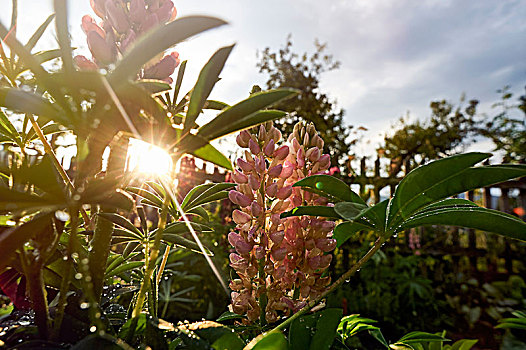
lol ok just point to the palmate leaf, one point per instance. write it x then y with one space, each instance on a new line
222 124
208 77
205 193
149 196
421 179
122 222
7 130
330 187
349 210
468 179
157 41
472 217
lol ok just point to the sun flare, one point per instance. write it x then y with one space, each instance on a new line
149 159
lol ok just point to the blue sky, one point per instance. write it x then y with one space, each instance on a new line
396 56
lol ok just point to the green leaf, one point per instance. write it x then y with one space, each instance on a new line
449 203
154 86
268 341
326 328
346 230
421 179
478 218
217 105
209 194
180 227
228 315
20 101
464 344
179 81
349 210
330 187
14 238
185 243
141 192
157 41
7 129
313 210
419 337
38 33
208 77
300 334
468 179
124 268
221 124
210 154
122 222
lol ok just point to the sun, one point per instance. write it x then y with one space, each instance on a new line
148 159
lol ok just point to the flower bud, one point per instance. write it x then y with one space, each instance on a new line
300 157
98 7
275 219
244 137
254 182
262 134
128 41
269 148
271 190
260 165
151 21
284 192
256 209
239 178
240 217
83 63
88 25
313 154
242 246
314 262
326 244
102 51
164 68
277 237
281 153
164 13
287 170
239 198
138 11
117 16
325 161
295 145
310 244
237 262
279 254
245 166
275 171
325 261
254 147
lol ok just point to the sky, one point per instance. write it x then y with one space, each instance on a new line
396 56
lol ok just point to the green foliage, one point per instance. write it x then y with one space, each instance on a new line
416 201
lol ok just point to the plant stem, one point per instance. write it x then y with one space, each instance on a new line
163 264
49 150
37 293
66 278
343 278
150 262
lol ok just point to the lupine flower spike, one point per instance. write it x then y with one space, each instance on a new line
279 262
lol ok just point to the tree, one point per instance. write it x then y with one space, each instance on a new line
439 136
286 68
507 132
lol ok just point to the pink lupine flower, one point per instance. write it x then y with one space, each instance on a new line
281 153
240 217
101 50
239 177
285 254
138 11
115 10
275 171
269 148
84 63
239 198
